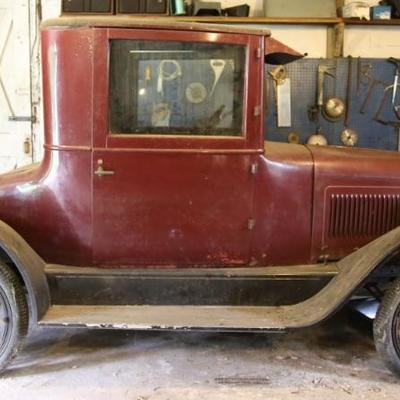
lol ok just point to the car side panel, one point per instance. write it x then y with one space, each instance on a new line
283 206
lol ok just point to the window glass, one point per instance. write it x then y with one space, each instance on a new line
176 88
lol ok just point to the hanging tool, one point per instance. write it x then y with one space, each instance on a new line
322 71
378 117
218 67
212 121
196 93
317 139
148 75
374 85
396 62
349 137
161 115
314 112
293 138
364 76
165 75
334 107
283 98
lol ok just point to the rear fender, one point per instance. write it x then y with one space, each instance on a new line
30 267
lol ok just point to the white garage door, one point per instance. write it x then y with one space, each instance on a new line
15 84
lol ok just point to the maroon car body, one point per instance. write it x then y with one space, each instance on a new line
185 201
159 205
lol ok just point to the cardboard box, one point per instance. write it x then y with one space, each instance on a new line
300 8
381 12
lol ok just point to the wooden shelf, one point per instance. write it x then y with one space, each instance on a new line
257 20
278 20
261 20
381 22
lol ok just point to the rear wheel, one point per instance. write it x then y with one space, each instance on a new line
13 315
387 328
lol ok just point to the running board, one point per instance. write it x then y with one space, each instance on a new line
353 271
261 286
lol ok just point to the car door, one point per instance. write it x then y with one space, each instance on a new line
176 132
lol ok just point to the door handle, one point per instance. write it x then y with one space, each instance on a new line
100 171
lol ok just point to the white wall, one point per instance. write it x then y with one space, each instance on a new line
14 71
363 41
374 42
51 8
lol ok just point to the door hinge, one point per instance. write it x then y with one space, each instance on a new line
251 224
257 111
258 52
254 169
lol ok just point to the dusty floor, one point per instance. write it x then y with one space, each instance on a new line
336 361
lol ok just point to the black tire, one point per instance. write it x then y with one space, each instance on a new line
387 328
14 317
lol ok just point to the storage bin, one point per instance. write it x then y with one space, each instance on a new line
154 7
87 6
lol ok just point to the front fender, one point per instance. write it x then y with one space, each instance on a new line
354 270
30 267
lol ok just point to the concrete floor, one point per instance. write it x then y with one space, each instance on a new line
336 360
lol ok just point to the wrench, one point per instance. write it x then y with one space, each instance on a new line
322 71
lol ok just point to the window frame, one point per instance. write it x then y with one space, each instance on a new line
252 124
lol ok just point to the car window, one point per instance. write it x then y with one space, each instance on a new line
176 88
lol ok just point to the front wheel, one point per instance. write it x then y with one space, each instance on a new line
13 315
387 328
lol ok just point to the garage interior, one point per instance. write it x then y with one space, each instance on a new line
335 359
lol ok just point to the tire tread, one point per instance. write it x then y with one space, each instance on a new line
11 280
383 328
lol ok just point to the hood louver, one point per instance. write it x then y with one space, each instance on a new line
362 215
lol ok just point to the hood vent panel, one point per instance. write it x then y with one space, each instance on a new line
362 215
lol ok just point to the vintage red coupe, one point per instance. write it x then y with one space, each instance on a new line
158 204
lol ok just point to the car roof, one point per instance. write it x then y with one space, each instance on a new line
167 23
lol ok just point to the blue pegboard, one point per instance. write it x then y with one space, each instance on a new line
303 74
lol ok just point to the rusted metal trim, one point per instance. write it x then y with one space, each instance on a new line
147 23
278 271
66 147
185 151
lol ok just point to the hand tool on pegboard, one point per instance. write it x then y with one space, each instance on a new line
349 136
382 106
396 107
364 74
375 84
282 86
334 107
315 111
378 117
